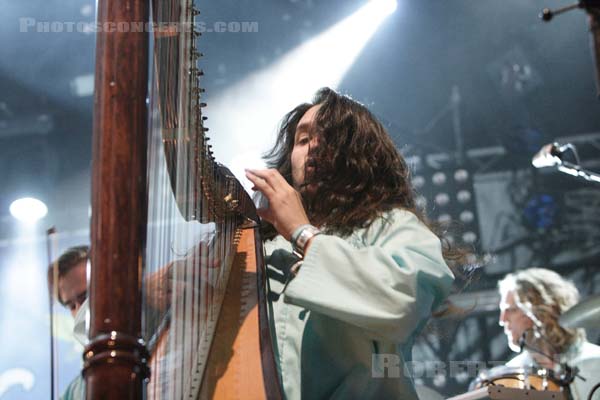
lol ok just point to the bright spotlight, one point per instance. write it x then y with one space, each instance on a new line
262 98
28 209
385 7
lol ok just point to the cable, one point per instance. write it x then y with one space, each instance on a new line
596 386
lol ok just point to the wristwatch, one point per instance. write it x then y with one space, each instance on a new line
301 236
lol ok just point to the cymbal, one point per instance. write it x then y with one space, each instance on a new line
583 315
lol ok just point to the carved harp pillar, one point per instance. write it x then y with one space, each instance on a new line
114 358
178 287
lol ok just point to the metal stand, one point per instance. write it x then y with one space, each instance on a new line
504 393
452 107
576 170
592 7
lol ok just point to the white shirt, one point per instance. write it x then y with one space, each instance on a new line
583 355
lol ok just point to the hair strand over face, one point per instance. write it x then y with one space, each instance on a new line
358 173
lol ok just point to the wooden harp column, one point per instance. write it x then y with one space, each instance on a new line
115 357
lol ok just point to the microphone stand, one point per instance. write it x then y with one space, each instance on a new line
563 166
577 171
592 7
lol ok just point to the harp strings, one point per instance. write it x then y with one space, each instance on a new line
190 233
163 224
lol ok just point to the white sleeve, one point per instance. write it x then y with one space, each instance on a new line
389 287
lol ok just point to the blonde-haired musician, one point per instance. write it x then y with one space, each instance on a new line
532 301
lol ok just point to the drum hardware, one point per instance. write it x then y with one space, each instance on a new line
567 373
506 393
516 383
592 7
520 378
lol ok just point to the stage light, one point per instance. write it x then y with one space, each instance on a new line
263 97
439 178
418 182
384 7
469 237
28 209
449 188
461 175
439 380
467 217
444 218
83 85
442 199
463 196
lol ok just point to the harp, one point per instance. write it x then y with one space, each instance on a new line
177 290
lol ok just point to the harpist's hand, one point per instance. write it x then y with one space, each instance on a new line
200 266
285 211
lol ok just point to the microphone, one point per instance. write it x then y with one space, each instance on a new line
522 341
567 373
537 335
549 155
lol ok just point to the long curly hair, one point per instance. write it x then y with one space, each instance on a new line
543 295
359 174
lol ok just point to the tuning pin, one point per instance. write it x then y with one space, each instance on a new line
196 33
195 12
202 105
204 118
196 54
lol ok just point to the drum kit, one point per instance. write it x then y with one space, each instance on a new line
512 383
